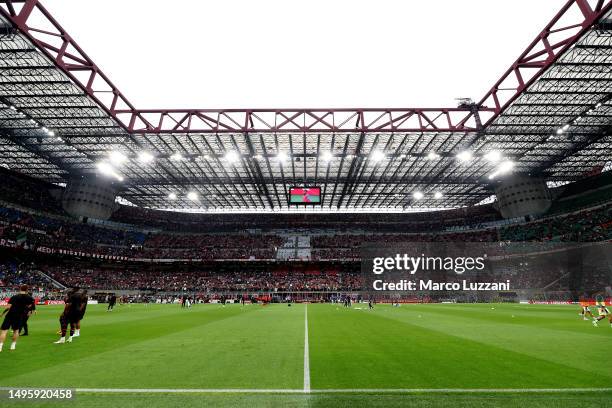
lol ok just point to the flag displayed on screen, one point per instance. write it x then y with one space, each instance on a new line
305 195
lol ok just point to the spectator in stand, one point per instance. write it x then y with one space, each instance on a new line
205 281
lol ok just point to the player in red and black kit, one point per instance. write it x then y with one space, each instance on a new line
70 315
81 312
18 306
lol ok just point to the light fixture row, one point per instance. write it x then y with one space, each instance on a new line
116 159
418 195
48 131
193 196
231 156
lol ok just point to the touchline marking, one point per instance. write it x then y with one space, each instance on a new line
189 390
463 390
330 391
306 352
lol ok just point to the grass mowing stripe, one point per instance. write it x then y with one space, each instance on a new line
244 347
532 340
361 349
306 356
42 355
542 316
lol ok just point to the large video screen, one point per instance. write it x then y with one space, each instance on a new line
305 195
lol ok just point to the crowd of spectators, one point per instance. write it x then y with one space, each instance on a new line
205 281
36 231
29 192
349 246
211 282
311 279
40 231
211 246
583 226
13 274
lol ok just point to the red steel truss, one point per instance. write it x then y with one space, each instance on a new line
574 19
33 20
302 120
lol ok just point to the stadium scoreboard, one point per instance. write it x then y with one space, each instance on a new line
305 195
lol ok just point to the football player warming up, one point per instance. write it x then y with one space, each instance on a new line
585 311
18 306
70 315
603 313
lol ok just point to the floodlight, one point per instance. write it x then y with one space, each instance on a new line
377 156
145 157
117 158
282 157
465 156
327 156
232 157
493 156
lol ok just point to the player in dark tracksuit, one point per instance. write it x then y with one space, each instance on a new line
31 310
15 310
111 302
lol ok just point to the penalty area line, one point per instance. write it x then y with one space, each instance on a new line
337 391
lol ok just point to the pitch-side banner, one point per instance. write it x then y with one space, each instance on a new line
471 271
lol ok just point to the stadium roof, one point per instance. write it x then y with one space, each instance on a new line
548 115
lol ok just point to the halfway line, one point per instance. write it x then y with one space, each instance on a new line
306 353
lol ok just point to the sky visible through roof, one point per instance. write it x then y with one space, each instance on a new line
291 54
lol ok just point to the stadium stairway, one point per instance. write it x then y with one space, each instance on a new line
303 248
50 280
294 247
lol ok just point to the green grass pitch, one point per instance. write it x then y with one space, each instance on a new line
356 357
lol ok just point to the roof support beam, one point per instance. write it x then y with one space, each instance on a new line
543 52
